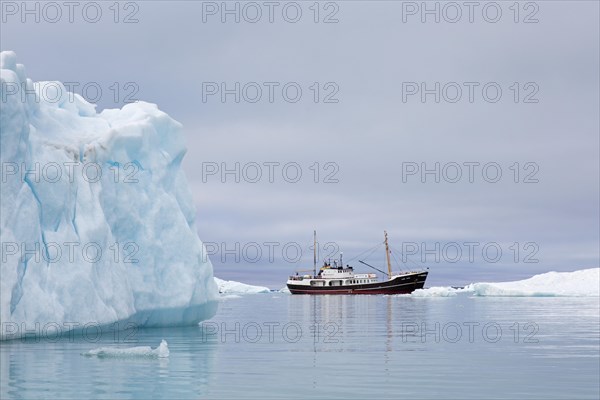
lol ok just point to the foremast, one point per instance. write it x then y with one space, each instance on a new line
314 253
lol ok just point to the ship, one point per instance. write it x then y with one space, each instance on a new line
335 278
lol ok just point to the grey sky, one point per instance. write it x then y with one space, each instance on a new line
370 132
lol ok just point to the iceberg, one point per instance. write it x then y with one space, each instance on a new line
97 222
582 283
235 288
162 351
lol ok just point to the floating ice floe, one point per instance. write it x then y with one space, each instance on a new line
162 351
235 288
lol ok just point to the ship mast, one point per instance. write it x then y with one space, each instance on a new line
387 255
315 253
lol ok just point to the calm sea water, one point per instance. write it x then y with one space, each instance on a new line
278 345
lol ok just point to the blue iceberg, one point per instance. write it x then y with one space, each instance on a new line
97 222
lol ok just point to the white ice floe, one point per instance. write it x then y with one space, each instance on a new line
235 288
437 291
162 351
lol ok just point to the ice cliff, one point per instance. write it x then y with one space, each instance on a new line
97 221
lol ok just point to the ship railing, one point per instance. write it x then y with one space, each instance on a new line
408 273
302 277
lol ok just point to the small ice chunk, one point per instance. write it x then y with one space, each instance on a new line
162 351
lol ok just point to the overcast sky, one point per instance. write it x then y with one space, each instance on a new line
362 118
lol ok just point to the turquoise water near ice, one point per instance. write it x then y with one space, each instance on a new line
381 347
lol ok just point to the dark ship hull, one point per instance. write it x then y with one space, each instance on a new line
401 284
